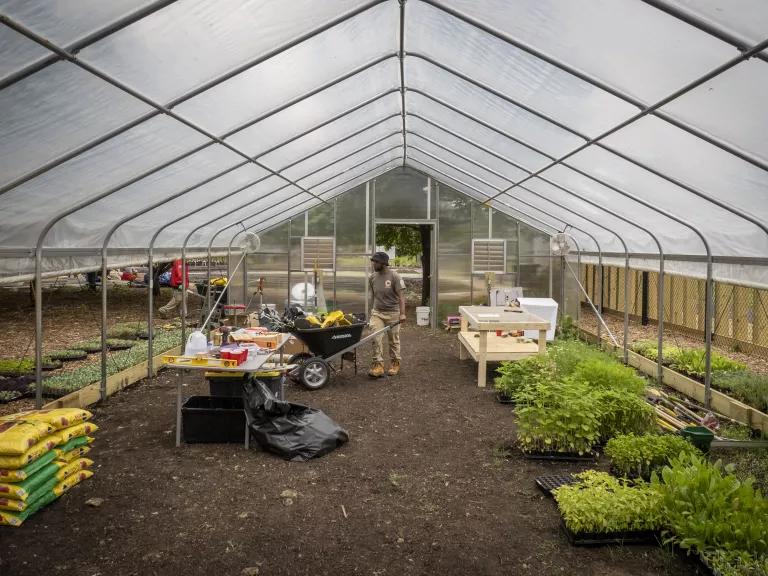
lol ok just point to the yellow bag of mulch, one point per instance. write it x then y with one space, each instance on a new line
23 473
17 518
23 490
41 491
82 429
57 418
16 462
69 468
18 436
71 480
72 454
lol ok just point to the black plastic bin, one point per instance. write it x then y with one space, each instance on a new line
213 419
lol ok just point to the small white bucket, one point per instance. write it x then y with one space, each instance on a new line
422 315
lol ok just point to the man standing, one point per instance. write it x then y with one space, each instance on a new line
388 308
179 282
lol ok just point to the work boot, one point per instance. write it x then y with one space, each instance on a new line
377 370
394 368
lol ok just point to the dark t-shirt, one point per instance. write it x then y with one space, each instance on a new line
387 286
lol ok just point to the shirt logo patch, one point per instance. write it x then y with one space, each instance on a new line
388 283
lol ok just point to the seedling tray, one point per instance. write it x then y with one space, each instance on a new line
560 456
548 483
504 399
620 538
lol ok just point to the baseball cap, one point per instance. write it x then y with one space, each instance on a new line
382 257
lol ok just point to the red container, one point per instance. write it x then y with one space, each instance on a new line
239 354
226 352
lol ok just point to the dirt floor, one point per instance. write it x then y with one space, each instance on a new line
426 485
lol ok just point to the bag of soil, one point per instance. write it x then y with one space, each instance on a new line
292 431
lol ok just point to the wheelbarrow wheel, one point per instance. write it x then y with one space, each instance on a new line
314 373
298 359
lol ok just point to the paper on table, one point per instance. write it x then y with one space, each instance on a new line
487 315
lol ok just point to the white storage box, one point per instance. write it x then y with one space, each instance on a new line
544 308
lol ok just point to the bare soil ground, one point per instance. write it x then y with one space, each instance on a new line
426 485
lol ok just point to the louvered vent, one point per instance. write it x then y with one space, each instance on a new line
489 255
317 252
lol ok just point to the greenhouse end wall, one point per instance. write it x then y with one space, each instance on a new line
403 195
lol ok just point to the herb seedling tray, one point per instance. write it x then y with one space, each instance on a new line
548 483
561 456
503 398
605 539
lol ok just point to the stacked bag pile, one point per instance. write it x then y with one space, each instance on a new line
41 457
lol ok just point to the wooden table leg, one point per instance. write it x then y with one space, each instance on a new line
481 358
464 324
542 341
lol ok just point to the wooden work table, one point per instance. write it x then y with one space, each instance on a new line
478 335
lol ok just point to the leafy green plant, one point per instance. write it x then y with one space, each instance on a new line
567 329
706 508
690 361
609 375
557 417
127 330
567 354
735 563
67 382
621 412
68 354
94 345
598 503
513 376
638 456
19 367
650 349
749 387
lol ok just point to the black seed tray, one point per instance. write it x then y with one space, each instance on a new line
548 483
620 538
561 456
503 398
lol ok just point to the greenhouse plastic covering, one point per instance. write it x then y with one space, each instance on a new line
637 123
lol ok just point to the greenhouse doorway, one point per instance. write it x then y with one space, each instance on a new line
411 246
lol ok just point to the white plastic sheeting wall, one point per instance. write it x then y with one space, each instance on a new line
599 116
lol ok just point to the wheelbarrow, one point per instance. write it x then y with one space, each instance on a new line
313 370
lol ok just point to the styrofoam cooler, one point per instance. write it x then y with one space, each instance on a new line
544 308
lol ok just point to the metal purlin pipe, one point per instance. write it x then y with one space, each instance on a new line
401 57
698 193
660 287
183 98
511 163
139 96
548 228
654 109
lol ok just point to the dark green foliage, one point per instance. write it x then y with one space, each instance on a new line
746 386
513 376
598 503
609 375
707 509
638 456
68 354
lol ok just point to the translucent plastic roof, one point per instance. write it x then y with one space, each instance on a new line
637 123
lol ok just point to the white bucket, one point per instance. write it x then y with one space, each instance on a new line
422 315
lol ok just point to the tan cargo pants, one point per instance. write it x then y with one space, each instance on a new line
378 321
174 303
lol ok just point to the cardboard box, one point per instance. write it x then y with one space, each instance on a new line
295 346
253 320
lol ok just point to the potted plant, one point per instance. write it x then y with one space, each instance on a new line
601 509
637 456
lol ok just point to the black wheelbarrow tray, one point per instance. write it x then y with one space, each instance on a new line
326 345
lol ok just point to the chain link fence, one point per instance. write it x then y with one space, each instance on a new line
740 320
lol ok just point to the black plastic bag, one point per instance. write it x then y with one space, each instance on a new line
292 431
